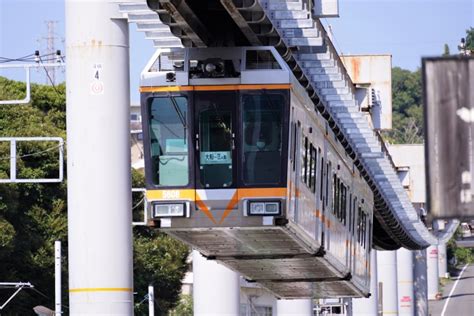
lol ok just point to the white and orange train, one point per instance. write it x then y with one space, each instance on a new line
240 166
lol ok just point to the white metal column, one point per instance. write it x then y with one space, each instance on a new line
57 278
99 182
387 275
216 289
405 282
302 307
442 261
368 306
432 271
420 285
151 300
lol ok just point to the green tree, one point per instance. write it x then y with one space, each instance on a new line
33 216
407 117
470 39
158 260
462 255
446 50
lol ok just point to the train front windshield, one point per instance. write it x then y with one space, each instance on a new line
217 139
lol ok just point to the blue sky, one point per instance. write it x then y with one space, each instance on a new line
407 29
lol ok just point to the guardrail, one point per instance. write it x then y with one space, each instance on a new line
13 158
27 68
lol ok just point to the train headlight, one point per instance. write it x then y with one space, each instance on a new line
169 210
264 208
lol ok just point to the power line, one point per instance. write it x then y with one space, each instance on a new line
33 154
50 79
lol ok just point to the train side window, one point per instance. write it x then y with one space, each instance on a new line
370 235
260 59
359 225
322 178
335 197
293 145
343 203
310 167
339 199
304 157
328 173
314 160
350 212
354 205
365 229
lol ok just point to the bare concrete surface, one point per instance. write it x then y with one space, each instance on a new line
458 295
467 242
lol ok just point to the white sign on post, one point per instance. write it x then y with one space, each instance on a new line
97 85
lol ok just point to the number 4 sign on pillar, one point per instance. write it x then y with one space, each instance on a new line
97 85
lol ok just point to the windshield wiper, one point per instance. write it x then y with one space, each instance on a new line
181 116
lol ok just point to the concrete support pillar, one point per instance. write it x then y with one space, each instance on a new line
216 289
369 306
442 261
295 307
420 283
405 282
387 275
98 164
432 271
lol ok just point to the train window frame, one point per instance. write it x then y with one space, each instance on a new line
354 210
264 59
187 128
359 225
321 194
343 203
285 136
328 180
313 168
304 158
202 103
366 225
335 197
370 235
293 144
350 211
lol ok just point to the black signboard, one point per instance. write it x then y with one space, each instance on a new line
448 88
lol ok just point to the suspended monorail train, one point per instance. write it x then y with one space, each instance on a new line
241 167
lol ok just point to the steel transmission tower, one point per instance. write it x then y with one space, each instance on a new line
51 48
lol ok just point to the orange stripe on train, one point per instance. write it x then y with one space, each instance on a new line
230 87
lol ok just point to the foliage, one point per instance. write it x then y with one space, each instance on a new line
33 216
446 50
470 38
184 308
160 261
460 255
407 119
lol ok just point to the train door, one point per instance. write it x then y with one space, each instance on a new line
214 143
215 139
